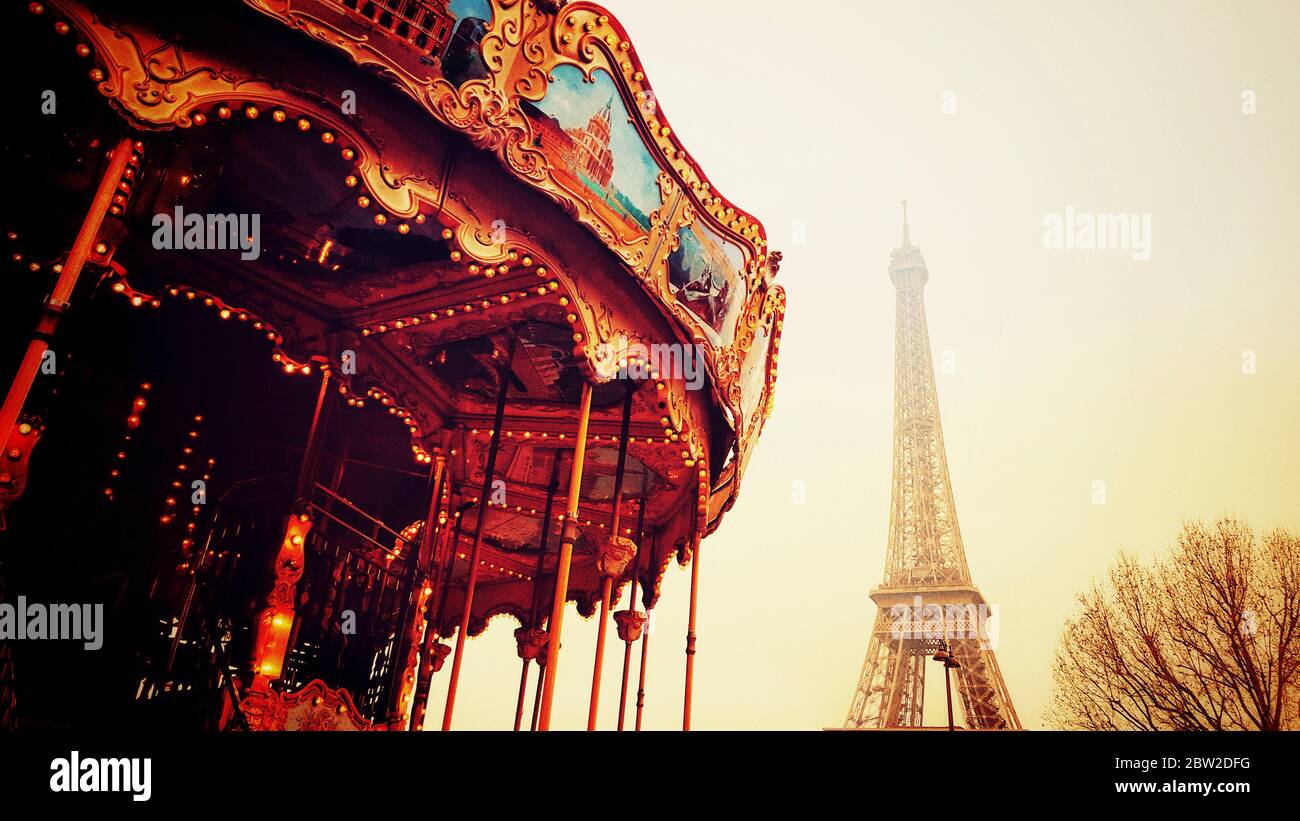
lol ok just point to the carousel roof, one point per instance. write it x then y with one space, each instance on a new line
451 194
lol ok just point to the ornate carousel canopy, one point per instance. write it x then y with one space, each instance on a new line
469 218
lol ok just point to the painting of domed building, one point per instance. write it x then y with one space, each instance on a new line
584 128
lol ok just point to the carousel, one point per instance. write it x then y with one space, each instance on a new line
357 326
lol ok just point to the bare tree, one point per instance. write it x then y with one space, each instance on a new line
1206 638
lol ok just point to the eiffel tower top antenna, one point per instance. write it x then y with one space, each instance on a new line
907 238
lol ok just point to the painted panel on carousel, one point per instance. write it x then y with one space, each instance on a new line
584 129
753 373
705 274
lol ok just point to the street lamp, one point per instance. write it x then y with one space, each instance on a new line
949 663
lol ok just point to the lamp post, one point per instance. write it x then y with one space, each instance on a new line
944 654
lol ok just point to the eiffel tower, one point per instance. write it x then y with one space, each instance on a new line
927 602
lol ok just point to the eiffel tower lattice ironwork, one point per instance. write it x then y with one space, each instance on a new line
925 566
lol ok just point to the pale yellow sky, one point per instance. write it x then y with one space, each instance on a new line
1071 366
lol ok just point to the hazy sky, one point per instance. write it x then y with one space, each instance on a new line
1071 366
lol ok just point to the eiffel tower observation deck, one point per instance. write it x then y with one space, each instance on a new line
927 601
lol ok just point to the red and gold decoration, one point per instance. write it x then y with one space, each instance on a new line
480 230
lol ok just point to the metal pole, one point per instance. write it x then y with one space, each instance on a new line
451 541
631 608
310 452
472 580
640 687
570 535
690 624
406 656
57 302
537 583
537 695
607 582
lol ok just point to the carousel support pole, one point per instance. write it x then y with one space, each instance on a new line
537 695
640 687
645 652
451 564
436 652
434 531
534 631
484 497
609 564
632 624
57 302
690 621
565 559
541 664
541 658
415 606
311 452
613 561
